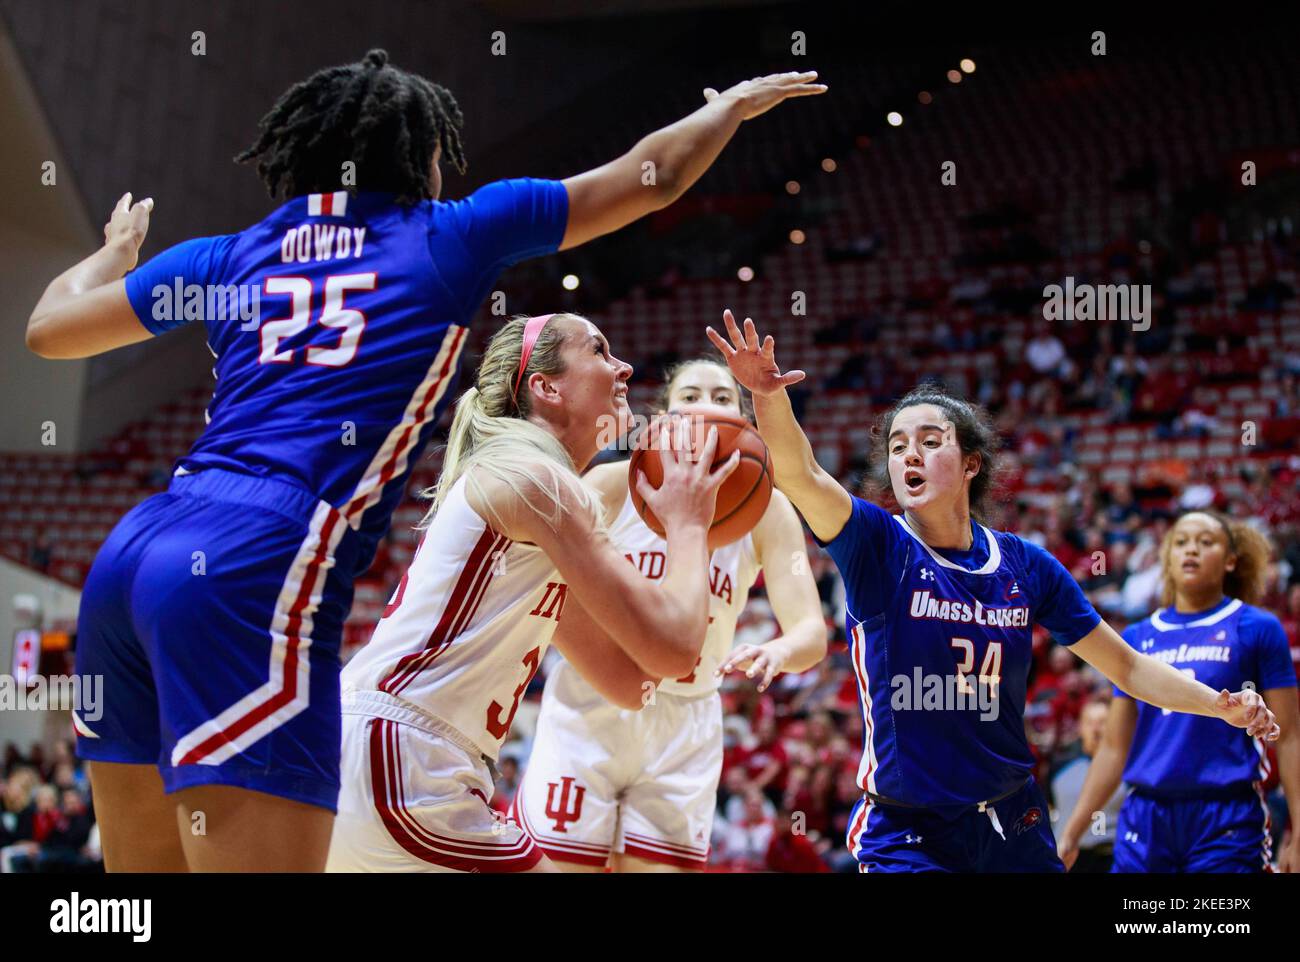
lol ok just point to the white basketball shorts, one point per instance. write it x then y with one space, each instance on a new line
604 779
414 798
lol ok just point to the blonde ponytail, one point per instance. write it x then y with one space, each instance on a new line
491 433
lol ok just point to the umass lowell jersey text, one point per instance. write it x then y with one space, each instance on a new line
1228 646
364 308
936 634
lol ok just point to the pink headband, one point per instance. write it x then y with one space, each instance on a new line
532 331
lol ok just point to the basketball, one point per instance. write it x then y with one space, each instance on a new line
743 497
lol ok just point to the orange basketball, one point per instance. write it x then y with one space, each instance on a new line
743 497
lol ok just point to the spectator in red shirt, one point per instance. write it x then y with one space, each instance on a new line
48 817
791 852
765 761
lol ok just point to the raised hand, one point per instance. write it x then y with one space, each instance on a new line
128 225
753 366
761 94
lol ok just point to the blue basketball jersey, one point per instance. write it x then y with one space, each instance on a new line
941 645
337 324
1225 647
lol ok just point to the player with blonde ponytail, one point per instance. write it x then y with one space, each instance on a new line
490 430
649 779
512 532
1195 804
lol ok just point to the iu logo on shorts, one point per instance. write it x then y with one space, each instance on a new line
560 813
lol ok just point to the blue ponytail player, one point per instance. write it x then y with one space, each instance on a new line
214 611
1195 803
940 612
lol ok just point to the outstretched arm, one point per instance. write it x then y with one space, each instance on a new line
85 311
617 193
1104 774
1164 686
822 500
779 542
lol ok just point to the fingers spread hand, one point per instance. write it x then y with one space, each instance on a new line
723 471
727 350
732 330
710 446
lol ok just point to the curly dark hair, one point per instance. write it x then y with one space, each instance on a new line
385 120
975 433
1247 581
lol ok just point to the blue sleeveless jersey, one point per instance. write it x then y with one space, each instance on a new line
337 324
1227 646
941 645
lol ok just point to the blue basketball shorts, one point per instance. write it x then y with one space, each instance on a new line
213 616
1229 833
1011 834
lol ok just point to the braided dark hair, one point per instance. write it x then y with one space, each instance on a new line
385 120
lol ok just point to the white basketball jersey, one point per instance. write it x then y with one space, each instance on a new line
466 629
733 569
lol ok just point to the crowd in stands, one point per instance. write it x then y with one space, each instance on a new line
47 822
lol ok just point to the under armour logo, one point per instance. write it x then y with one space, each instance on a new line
1221 636
1130 836
561 814
1148 644
914 840
927 574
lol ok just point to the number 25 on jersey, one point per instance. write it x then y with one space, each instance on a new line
348 321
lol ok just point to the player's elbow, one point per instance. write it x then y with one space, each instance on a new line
1131 664
670 658
38 339
634 695
666 193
